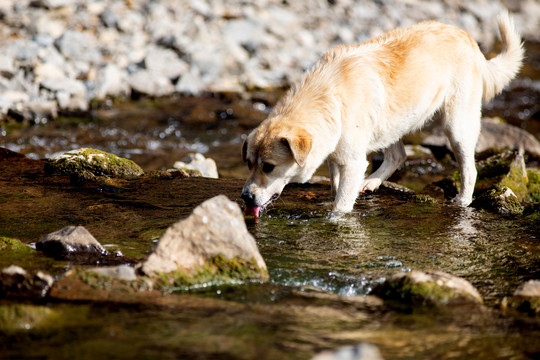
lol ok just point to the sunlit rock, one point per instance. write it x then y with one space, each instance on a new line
419 288
86 163
206 166
211 245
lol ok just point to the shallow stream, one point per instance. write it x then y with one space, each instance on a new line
321 268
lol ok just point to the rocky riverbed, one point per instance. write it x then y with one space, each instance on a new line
60 56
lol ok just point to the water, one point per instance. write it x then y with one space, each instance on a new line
322 268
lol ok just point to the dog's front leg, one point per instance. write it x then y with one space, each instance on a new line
334 178
351 177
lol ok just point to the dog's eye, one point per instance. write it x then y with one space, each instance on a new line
267 167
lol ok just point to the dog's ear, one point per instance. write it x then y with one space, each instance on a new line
299 145
244 151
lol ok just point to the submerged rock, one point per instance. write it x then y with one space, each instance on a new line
418 288
526 298
362 351
69 242
88 164
206 166
211 245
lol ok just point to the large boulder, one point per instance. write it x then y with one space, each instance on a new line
419 288
211 245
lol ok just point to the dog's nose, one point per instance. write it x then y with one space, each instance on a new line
248 198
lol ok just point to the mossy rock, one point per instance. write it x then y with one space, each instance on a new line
86 164
526 299
503 170
424 199
533 186
426 289
499 200
532 211
216 271
14 246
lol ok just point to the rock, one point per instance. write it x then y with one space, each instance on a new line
164 62
86 164
121 272
503 170
499 200
15 282
206 166
70 242
111 81
419 288
493 135
525 299
78 46
362 351
14 245
147 83
211 245
533 186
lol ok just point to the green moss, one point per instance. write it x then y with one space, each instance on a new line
87 163
503 170
405 294
533 186
423 199
20 317
496 200
102 282
529 305
218 270
14 246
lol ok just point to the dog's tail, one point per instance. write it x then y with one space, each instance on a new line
500 70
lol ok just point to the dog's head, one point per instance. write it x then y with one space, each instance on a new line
275 156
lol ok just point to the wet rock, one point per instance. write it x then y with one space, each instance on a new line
499 200
504 170
362 351
211 245
86 164
525 299
70 242
419 288
15 282
206 166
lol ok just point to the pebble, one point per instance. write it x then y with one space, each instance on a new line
71 52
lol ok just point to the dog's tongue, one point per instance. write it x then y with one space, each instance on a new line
252 210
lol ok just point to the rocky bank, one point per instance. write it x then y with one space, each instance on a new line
59 56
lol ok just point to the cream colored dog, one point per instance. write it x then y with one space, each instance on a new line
364 98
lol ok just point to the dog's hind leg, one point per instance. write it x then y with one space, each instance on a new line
462 126
394 156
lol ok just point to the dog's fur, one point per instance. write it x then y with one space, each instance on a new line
364 98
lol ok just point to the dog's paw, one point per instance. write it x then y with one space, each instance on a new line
461 201
371 184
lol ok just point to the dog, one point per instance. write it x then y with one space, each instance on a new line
363 98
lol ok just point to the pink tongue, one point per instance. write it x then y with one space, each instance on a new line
252 211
